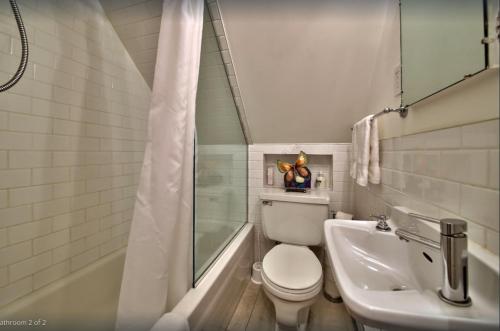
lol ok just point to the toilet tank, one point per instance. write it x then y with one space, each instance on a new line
294 218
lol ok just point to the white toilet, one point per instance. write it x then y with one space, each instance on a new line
292 275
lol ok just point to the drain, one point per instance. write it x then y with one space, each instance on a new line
399 288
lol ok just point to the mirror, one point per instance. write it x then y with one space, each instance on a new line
441 44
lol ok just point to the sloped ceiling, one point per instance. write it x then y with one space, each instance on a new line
137 23
306 68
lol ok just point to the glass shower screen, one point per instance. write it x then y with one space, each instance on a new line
220 161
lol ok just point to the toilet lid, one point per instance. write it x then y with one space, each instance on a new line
292 267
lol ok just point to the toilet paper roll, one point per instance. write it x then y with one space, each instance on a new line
343 216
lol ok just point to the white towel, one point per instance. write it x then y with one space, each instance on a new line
364 152
374 164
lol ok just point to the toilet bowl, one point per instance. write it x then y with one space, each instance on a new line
292 280
292 275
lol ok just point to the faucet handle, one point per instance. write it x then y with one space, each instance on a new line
452 226
381 223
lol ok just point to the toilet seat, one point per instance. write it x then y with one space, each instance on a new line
292 272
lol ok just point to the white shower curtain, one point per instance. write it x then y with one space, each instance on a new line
158 267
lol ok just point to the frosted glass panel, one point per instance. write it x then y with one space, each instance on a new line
440 44
221 159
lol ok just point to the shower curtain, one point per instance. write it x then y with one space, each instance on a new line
158 265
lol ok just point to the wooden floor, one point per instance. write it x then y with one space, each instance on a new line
255 312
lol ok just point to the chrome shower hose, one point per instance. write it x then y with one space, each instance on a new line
24 46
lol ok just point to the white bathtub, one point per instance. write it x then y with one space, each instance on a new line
210 305
85 300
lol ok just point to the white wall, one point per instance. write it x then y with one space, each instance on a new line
71 144
473 100
306 69
442 159
444 173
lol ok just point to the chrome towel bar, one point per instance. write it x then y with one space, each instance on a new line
403 111
423 217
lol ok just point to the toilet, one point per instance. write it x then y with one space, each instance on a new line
292 275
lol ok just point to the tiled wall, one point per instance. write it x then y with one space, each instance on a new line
220 33
340 195
217 119
220 199
317 164
137 23
222 171
444 173
221 162
72 137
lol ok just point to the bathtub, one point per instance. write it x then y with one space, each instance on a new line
210 304
85 300
88 299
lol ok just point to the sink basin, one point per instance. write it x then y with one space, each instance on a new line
392 284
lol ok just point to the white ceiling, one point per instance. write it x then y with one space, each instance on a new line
305 68
137 23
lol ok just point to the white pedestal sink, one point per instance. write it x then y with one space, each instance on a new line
392 284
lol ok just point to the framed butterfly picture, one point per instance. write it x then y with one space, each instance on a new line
297 177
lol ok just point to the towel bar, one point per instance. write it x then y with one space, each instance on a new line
403 111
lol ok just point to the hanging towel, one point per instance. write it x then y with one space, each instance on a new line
360 157
364 152
374 164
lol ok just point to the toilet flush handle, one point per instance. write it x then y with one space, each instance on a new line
267 202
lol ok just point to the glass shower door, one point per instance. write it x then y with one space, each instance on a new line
221 159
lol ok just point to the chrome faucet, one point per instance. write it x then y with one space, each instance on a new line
381 223
453 247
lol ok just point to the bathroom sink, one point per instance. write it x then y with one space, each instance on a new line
392 284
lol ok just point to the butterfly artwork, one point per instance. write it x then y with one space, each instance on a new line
297 176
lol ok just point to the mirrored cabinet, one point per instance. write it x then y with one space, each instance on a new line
442 43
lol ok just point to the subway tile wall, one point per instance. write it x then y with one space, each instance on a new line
443 173
221 186
220 199
317 164
220 33
340 191
72 136
137 23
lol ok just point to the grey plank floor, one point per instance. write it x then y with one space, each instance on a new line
255 312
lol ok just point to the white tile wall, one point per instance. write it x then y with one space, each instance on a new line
72 136
217 121
220 34
340 195
221 193
137 22
451 172
317 164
